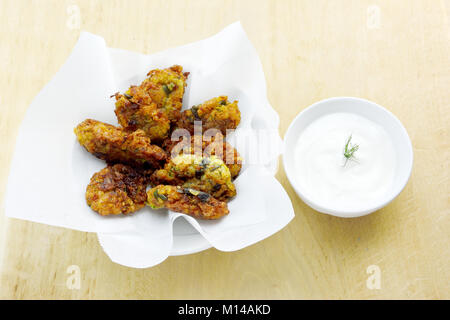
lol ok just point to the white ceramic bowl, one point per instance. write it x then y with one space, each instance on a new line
370 110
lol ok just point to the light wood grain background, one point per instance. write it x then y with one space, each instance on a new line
396 53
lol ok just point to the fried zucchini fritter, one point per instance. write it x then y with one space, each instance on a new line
217 146
207 174
117 189
228 155
189 201
166 88
217 113
154 104
135 110
113 144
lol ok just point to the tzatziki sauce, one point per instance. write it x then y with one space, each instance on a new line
342 183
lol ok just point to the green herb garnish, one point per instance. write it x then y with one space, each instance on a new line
194 111
168 88
215 167
349 150
157 195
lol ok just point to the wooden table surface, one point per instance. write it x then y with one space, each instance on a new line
396 53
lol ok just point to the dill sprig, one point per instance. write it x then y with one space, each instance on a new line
349 150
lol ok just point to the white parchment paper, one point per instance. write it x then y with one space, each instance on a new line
50 170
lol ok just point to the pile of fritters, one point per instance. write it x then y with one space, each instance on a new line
189 173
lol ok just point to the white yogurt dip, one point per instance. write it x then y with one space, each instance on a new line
332 181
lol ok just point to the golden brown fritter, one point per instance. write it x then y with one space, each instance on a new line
228 154
216 146
207 174
153 104
113 144
217 113
189 201
116 189
135 110
166 88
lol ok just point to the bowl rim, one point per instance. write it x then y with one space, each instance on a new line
358 212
